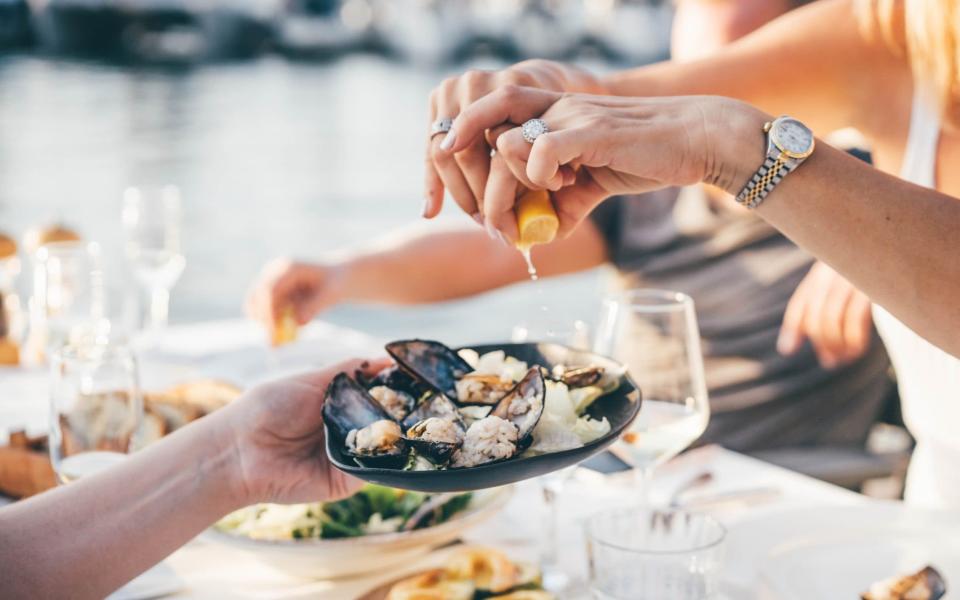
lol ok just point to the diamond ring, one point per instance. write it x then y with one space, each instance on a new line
533 129
441 126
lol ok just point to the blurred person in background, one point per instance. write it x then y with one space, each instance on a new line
791 355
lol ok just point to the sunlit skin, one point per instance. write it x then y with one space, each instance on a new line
903 255
425 264
266 446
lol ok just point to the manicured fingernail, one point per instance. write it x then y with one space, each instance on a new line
478 218
492 232
449 140
426 205
786 343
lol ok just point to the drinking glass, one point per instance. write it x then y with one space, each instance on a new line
650 554
151 223
576 334
654 334
95 408
68 294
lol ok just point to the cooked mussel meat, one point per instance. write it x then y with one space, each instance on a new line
435 438
580 376
399 404
523 406
925 584
488 440
482 388
433 404
366 428
435 364
395 378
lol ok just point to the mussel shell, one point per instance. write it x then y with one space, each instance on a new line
534 388
347 405
395 378
433 363
438 452
434 405
582 376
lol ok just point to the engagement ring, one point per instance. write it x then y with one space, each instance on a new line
533 129
441 126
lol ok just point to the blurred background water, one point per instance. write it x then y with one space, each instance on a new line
285 152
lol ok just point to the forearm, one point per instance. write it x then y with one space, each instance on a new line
91 536
427 265
789 66
893 240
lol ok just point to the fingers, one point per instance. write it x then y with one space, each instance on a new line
432 185
474 163
452 177
506 104
858 325
792 334
498 201
551 151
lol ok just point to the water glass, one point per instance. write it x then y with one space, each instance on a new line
649 554
654 333
151 223
68 294
95 408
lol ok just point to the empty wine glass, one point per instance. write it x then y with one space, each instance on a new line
68 295
654 334
95 408
151 222
649 554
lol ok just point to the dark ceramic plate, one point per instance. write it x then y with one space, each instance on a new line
620 407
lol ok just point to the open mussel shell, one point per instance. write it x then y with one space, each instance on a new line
422 437
434 405
349 407
433 363
523 406
394 378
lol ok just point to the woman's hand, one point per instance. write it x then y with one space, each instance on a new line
464 174
832 314
284 284
598 146
276 435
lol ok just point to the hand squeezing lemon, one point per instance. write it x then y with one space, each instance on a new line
537 220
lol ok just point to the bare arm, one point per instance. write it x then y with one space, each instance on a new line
87 538
813 63
422 264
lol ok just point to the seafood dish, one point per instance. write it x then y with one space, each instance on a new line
473 573
438 408
373 510
925 584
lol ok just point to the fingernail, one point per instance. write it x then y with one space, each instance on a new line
492 232
449 140
426 205
786 343
478 218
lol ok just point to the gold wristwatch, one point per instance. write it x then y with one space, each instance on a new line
789 143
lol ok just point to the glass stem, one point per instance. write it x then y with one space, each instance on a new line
159 308
548 553
641 484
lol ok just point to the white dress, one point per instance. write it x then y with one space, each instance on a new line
929 378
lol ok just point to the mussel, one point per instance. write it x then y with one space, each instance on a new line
435 438
435 364
394 378
482 389
368 432
523 405
433 404
398 403
580 376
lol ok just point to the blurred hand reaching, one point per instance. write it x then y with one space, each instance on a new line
830 312
305 289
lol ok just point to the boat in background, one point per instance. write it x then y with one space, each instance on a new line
15 28
165 31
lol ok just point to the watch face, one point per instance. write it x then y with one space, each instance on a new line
793 137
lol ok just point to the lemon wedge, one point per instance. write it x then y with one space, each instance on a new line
286 328
537 221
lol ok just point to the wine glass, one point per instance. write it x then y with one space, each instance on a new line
576 334
151 223
654 334
650 554
68 295
95 408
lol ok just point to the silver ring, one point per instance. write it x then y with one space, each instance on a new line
533 129
441 126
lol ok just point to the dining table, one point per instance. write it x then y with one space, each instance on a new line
732 487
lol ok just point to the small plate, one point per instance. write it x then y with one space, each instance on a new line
620 407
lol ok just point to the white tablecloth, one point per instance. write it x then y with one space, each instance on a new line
236 351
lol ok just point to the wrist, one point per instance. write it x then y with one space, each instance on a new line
736 149
223 460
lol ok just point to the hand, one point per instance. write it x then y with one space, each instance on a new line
599 146
284 284
464 174
832 314
276 432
